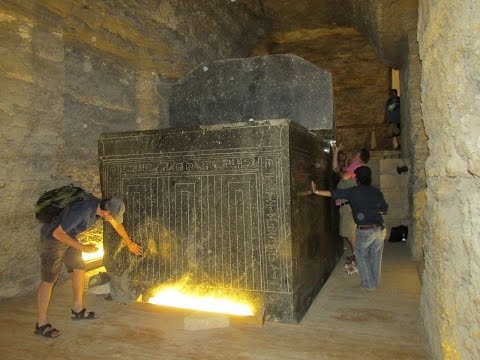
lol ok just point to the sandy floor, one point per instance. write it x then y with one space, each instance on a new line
343 323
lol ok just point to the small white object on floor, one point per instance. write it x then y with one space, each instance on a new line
351 269
197 321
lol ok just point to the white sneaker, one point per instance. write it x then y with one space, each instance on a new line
351 269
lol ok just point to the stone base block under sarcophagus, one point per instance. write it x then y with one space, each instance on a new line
226 206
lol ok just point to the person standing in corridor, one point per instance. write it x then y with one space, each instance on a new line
368 204
392 117
347 180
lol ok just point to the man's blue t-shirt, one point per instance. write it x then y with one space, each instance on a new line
367 203
74 219
393 108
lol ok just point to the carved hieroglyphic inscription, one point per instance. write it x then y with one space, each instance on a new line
218 216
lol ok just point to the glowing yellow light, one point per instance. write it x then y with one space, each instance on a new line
175 296
93 256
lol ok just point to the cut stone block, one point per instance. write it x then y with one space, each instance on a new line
393 181
389 166
177 318
200 321
396 212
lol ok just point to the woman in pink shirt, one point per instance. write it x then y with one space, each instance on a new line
359 159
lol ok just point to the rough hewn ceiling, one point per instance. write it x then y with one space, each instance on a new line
177 35
289 15
385 23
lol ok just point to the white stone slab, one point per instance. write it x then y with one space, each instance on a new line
198 321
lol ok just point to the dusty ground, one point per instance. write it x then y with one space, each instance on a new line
343 323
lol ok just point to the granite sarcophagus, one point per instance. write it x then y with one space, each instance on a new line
225 204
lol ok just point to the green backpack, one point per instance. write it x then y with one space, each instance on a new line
51 203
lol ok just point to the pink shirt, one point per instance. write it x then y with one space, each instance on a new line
352 167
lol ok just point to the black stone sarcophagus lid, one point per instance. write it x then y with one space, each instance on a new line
262 87
225 204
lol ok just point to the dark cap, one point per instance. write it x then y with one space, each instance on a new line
116 207
363 172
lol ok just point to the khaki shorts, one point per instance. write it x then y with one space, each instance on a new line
393 130
53 259
347 225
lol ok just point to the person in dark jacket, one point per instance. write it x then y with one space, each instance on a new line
392 117
60 246
368 204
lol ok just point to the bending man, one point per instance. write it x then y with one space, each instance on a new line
60 246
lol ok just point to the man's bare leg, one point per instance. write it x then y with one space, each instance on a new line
353 243
43 300
78 283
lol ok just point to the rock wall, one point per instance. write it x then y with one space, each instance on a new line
414 144
385 23
449 42
72 70
31 111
